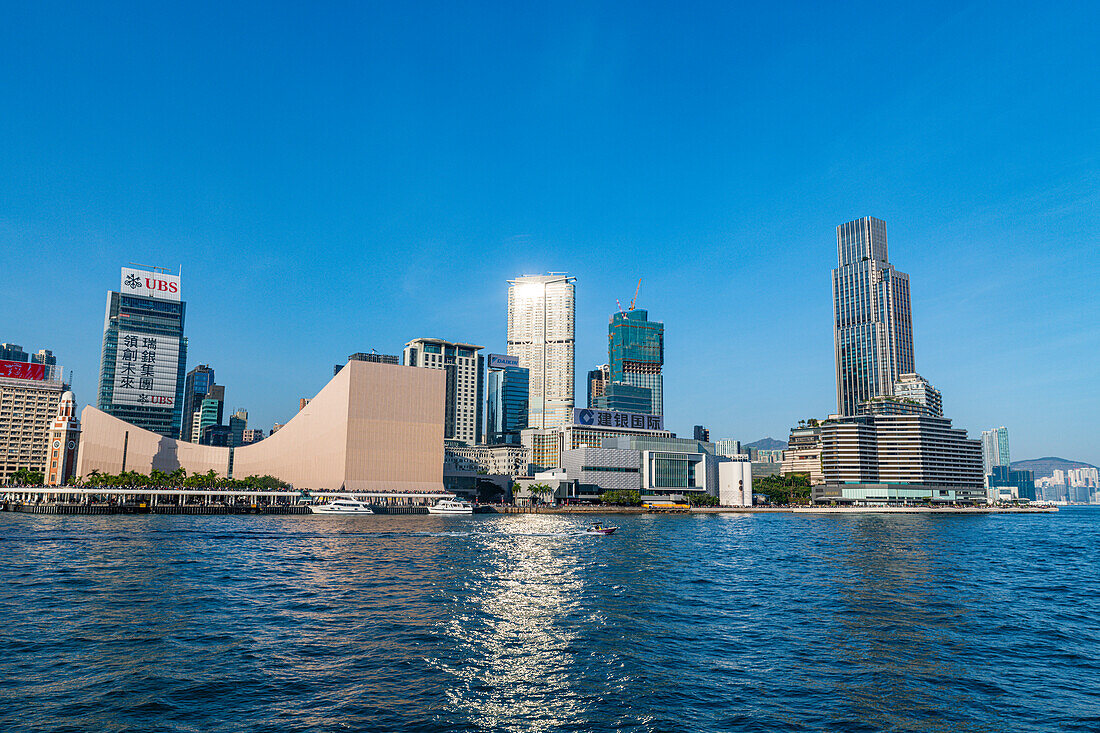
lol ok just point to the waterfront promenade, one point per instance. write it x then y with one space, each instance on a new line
95 501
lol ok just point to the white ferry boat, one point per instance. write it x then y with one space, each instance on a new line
341 506
451 506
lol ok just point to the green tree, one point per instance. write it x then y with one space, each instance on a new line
26 477
792 488
701 498
540 491
621 498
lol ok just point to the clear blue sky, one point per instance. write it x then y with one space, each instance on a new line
340 178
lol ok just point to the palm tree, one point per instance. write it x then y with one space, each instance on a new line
540 490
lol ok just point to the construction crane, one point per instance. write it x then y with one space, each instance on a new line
634 302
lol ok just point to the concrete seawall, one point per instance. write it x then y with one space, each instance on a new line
92 509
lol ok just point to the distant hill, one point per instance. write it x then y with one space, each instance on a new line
767 444
1046 466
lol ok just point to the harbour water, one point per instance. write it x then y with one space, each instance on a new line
520 622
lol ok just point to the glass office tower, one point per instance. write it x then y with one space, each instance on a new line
873 326
198 382
637 353
623 397
508 395
144 355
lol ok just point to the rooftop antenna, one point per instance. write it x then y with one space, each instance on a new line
155 268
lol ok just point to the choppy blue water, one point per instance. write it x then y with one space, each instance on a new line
395 623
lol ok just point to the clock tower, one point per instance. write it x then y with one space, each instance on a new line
64 439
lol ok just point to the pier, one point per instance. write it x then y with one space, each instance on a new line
81 500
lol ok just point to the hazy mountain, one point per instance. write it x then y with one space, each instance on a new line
766 444
1046 466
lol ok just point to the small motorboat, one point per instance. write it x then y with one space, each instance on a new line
341 506
451 506
600 529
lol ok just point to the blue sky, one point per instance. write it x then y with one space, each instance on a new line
340 178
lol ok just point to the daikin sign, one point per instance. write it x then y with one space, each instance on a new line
502 361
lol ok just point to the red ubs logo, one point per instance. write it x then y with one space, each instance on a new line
162 286
158 400
152 283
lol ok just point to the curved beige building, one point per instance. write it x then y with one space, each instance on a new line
374 427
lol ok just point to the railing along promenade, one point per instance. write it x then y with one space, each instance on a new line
141 500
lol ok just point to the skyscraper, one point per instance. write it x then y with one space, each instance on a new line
873 329
141 371
196 385
995 449
636 351
465 372
541 313
508 395
597 383
208 414
623 397
29 396
917 389
238 423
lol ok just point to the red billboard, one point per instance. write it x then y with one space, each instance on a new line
22 370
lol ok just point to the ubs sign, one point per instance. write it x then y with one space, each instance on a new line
149 284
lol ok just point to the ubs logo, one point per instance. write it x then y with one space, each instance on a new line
151 283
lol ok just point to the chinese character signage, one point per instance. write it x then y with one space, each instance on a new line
613 419
149 284
146 368
22 370
501 361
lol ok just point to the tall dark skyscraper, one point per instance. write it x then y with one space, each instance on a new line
141 371
873 325
507 403
198 382
636 351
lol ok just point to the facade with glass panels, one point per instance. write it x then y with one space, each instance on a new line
873 331
507 408
636 352
198 382
208 412
649 464
995 453
898 458
1022 481
623 397
597 383
541 314
547 446
154 321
